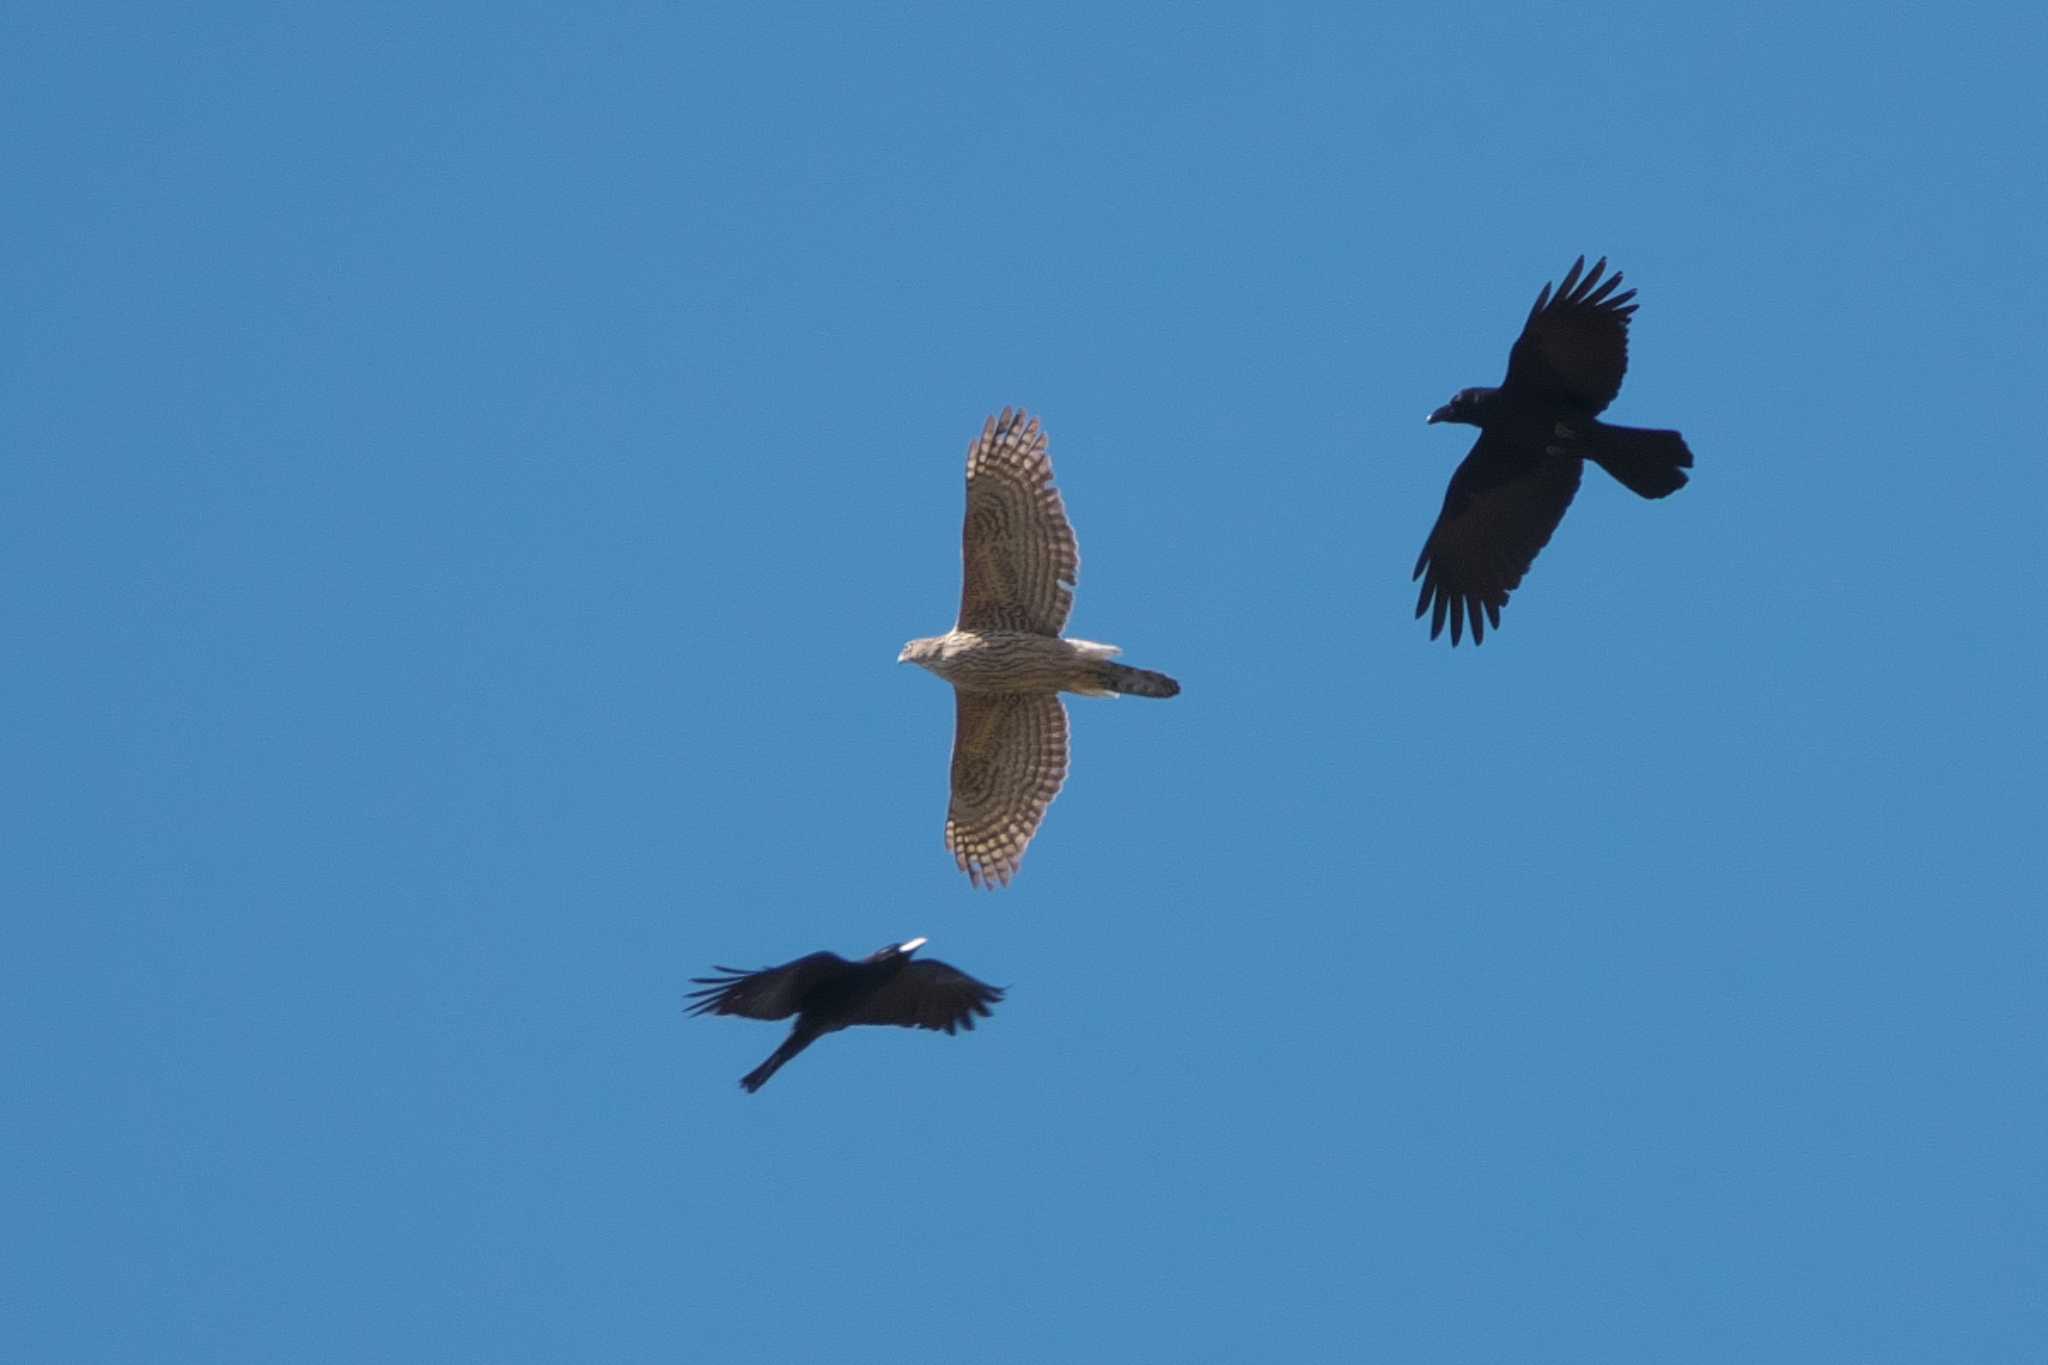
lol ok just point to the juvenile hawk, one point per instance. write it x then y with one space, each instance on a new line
1005 657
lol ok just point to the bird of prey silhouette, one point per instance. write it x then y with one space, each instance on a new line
827 993
1005 658
1536 431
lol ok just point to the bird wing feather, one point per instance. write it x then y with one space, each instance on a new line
1009 760
1019 558
771 993
1574 347
929 994
1498 513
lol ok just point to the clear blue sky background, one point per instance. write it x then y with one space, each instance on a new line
466 477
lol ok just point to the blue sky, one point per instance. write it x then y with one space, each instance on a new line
467 475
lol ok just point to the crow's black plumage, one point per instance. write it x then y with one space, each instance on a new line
1536 431
827 993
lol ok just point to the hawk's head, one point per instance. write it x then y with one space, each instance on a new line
922 652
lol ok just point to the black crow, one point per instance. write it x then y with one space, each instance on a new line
1536 431
827 993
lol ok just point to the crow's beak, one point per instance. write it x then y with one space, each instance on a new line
1442 414
913 945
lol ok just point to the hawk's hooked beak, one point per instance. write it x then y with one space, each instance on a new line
903 655
1442 414
912 946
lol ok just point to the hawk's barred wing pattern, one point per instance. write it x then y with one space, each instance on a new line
1009 759
1005 656
1018 554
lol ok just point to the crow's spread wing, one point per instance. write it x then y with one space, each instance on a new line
771 993
928 994
1498 513
1574 348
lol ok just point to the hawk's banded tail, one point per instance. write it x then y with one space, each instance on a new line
1136 682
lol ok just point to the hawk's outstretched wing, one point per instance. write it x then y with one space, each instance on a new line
1018 554
1573 349
929 994
1009 759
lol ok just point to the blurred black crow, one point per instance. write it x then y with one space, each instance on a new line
1536 431
827 993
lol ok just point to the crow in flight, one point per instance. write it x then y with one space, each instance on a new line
1536 431
827 993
